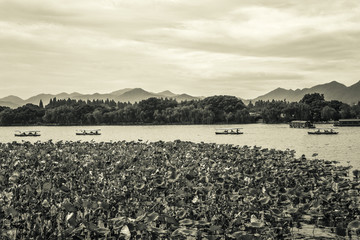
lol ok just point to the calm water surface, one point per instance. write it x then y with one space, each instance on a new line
343 147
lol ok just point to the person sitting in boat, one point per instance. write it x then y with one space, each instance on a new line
237 130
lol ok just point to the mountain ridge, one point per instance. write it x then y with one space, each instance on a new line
332 91
123 95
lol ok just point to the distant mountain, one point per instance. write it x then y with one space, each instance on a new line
36 99
94 96
135 95
9 104
167 94
331 91
354 91
119 92
11 101
123 95
185 97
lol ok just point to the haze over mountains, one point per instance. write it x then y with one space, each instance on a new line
332 91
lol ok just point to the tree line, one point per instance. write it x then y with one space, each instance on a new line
312 107
211 110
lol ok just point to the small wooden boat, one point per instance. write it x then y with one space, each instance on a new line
88 132
228 131
323 132
27 134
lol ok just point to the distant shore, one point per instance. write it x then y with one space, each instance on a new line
148 124
220 109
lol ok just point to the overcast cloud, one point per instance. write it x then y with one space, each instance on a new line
203 47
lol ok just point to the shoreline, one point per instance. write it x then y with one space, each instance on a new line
150 124
169 189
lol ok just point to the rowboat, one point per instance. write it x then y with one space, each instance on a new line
27 134
88 132
228 131
323 132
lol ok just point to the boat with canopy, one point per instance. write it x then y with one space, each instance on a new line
228 131
324 131
31 133
88 132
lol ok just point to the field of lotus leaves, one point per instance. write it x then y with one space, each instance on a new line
171 190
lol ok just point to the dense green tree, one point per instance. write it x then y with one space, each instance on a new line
345 111
148 107
6 117
2 108
304 112
98 116
222 105
28 114
328 113
291 111
243 116
316 102
310 98
355 110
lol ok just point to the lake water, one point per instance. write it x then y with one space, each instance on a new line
342 147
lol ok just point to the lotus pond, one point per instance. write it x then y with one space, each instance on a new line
171 190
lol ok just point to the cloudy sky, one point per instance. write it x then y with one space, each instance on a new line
244 48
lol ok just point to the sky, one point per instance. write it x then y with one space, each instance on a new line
243 48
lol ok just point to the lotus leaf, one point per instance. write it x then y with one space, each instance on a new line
174 190
125 232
